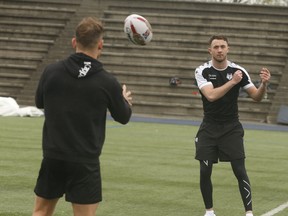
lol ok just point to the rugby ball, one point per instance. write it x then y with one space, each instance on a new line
137 29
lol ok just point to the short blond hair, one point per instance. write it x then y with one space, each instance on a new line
89 32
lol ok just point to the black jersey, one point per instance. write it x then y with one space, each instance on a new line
225 108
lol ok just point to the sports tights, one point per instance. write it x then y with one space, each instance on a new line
238 167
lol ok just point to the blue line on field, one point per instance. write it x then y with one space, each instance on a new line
246 125
113 126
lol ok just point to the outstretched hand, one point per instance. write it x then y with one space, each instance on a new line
265 75
127 95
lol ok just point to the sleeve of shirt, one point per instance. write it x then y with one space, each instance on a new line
200 79
119 108
246 81
39 100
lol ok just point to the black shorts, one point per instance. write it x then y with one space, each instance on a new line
222 142
80 182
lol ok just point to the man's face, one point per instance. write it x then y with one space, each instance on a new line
219 50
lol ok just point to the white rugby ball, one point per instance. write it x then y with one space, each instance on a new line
137 29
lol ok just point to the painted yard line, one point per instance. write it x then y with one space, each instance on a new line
276 210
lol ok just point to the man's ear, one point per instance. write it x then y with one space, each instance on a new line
209 50
74 42
100 44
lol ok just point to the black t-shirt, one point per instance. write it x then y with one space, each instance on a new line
225 108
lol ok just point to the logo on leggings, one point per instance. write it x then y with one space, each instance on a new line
206 162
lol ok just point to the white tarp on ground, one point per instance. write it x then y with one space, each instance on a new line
9 107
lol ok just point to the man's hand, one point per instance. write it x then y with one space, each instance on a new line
237 77
265 75
127 95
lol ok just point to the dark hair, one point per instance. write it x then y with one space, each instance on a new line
218 37
89 31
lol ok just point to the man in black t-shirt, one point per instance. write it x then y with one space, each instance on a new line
220 136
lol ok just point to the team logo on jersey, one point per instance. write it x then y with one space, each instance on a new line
229 76
84 70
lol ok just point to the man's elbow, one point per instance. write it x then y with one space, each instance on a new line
257 99
125 118
124 121
211 98
39 104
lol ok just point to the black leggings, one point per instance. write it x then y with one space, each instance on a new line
238 167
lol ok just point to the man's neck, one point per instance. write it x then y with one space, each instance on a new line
220 65
92 53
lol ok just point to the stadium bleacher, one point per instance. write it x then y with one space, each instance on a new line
36 33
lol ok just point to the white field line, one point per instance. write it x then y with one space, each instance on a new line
276 210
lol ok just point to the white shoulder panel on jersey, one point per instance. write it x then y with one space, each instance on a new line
201 81
250 84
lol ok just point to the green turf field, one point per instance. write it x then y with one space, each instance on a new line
148 169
